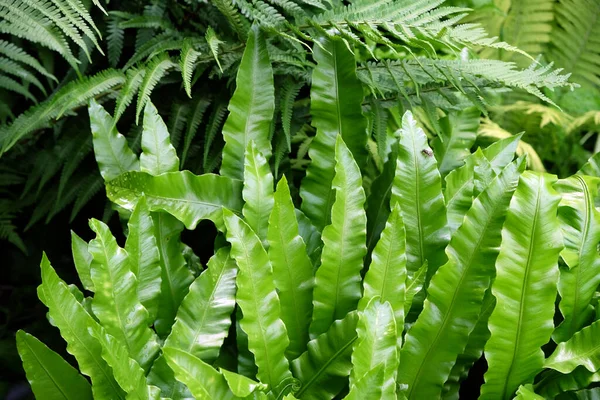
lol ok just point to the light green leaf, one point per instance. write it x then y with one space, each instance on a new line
115 303
49 375
128 373
187 62
75 326
258 300
582 349
163 377
204 316
376 346
386 276
456 292
258 191
158 154
418 190
592 167
113 155
240 385
204 381
580 223
337 281
414 284
175 277
251 108
371 386
552 383
336 109
82 259
144 258
324 367
188 197
292 270
525 287
525 392
502 152
457 136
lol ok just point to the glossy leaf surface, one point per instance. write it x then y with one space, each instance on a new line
258 190
337 281
258 300
456 292
204 316
418 191
336 97
292 270
525 287
251 107
49 375
158 155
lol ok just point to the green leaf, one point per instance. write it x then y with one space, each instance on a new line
580 223
457 136
158 155
188 197
336 98
371 386
582 349
376 346
592 167
525 287
128 373
144 257
418 190
258 300
386 276
163 377
204 316
113 155
251 108
115 303
292 270
502 152
525 392
187 62
258 191
175 277
337 281
414 284
75 326
240 385
456 292
49 375
324 367
204 381
82 259
553 383
155 70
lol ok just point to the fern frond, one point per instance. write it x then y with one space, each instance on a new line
157 45
24 22
8 230
15 53
10 67
79 147
575 44
155 70
389 77
90 187
187 62
177 121
237 22
114 41
289 92
213 44
128 91
192 126
72 95
215 122
146 21
14 86
79 18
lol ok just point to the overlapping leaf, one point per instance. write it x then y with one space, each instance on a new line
158 154
337 281
258 190
582 349
336 97
525 287
456 292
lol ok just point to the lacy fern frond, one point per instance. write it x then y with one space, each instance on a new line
155 70
575 43
187 62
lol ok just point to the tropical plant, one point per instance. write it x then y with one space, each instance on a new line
416 52
371 289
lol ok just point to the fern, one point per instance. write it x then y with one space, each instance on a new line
156 69
575 45
213 44
129 90
186 63
115 40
